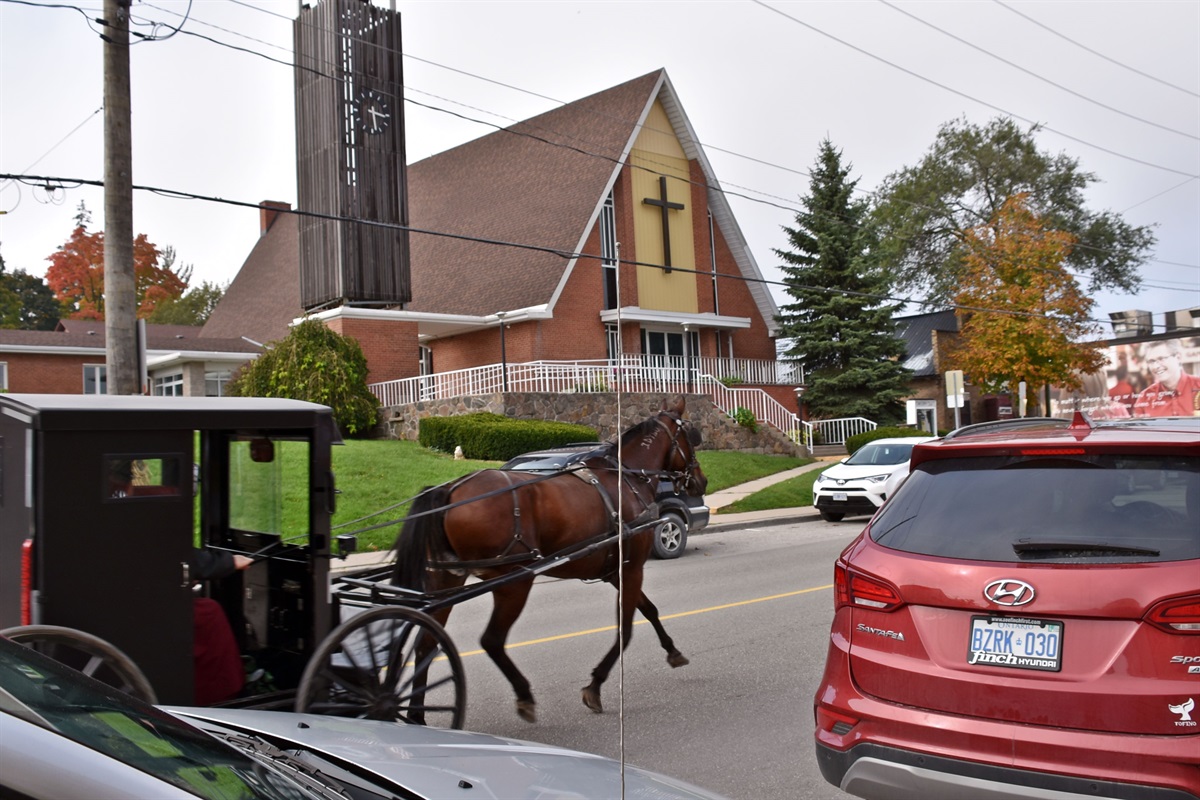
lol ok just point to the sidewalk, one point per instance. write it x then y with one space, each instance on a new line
752 519
717 522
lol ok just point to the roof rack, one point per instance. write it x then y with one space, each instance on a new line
1007 425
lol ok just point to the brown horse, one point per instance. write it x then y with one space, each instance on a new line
494 522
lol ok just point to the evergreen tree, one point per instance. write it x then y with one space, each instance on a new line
841 331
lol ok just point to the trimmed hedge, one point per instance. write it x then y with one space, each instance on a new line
859 439
491 437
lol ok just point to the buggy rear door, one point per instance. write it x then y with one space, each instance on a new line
113 538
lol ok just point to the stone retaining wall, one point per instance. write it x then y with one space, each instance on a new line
596 410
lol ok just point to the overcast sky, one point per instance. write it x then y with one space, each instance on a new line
1115 85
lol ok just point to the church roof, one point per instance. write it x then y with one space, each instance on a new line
539 184
264 297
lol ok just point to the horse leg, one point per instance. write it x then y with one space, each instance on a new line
650 612
507 603
632 591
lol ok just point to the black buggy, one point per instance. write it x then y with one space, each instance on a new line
102 501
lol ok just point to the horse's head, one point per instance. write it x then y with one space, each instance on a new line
681 460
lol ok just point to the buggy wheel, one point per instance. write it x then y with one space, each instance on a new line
85 653
389 663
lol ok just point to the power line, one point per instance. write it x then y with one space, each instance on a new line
1096 53
1033 74
782 205
615 160
564 254
973 99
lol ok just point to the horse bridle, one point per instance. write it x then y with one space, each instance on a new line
681 480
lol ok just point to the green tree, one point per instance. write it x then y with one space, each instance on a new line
840 329
923 212
316 364
1014 263
193 308
26 302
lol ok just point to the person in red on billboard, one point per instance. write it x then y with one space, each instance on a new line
1174 393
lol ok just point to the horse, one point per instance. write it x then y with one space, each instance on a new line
493 522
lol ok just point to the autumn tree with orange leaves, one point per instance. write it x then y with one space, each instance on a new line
1036 315
76 273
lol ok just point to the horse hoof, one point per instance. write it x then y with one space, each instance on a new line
591 699
677 659
527 710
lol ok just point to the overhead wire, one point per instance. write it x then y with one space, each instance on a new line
613 159
972 98
555 251
783 204
1097 53
1034 74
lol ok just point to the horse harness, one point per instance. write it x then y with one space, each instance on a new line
648 515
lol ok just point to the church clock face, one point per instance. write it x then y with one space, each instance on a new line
371 112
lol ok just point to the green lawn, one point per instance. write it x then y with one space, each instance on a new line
373 475
792 493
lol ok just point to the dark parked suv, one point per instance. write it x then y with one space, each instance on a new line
680 512
1022 619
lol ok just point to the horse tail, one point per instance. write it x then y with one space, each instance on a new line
423 531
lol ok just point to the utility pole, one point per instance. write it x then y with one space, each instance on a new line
120 316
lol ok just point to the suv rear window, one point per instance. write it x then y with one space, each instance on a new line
1104 508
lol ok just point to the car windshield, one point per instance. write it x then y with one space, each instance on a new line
49 694
1100 508
880 454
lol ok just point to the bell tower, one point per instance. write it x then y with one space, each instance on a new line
350 156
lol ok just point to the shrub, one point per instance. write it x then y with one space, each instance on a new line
745 417
316 364
490 437
731 381
859 439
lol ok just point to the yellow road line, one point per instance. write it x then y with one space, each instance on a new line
611 628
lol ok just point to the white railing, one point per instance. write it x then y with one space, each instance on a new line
837 431
641 374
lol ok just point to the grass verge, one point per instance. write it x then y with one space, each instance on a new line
796 492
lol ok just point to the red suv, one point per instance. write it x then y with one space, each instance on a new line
1022 619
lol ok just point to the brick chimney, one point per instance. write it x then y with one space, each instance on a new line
268 210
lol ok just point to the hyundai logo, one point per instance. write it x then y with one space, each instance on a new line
1008 592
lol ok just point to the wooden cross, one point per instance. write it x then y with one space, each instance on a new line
662 202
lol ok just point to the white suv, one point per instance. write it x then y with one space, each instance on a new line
860 483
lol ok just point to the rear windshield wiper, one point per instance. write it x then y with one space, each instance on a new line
1025 547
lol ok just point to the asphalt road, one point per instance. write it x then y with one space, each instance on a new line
751 609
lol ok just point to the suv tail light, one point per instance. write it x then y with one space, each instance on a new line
854 589
1178 615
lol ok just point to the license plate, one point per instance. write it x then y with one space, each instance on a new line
1016 642
839 497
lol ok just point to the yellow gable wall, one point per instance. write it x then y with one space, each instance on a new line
657 152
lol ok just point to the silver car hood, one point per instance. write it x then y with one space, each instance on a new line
432 762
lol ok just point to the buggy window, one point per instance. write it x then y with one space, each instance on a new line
268 485
1101 508
132 476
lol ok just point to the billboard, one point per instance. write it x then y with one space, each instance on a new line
1155 378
